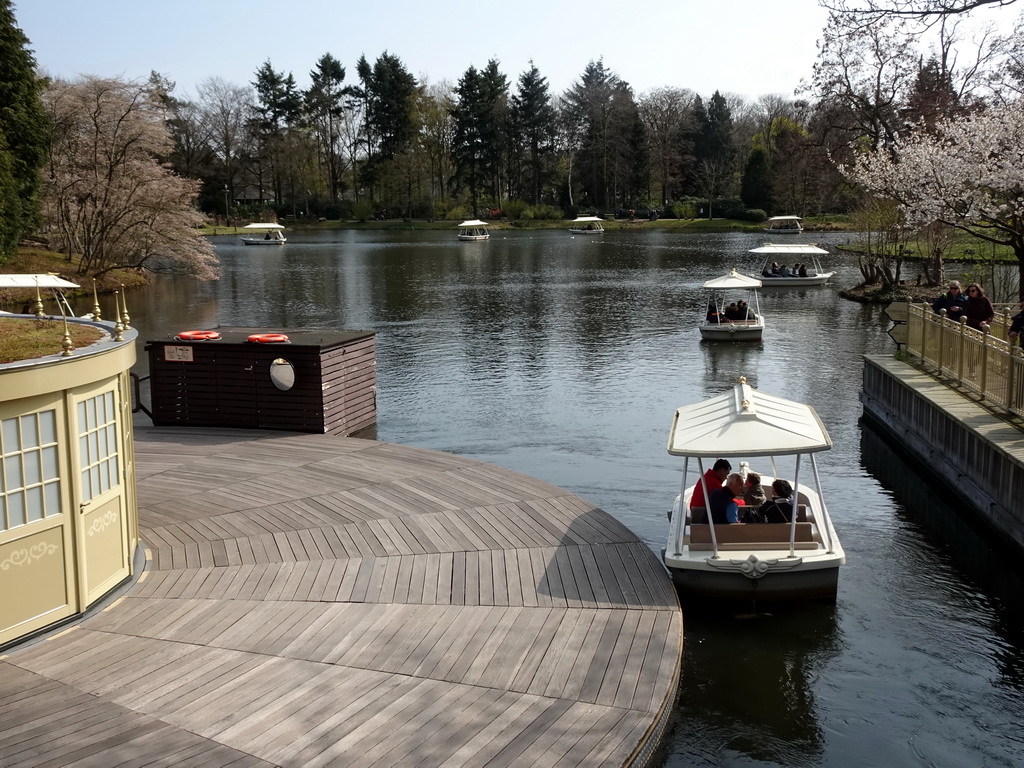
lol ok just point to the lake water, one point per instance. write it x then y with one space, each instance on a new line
564 358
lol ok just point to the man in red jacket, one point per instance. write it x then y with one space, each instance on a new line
714 478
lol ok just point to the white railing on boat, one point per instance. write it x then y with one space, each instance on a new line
983 362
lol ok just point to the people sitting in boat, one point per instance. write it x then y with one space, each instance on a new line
713 314
746 313
713 479
780 508
954 301
733 312
724 502
802 271
753 492
775 268
266 236
785 271
277 235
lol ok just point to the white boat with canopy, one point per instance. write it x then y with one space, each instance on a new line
587 225
764 562
41 282
781 266
474 229
736 321
264 234
785 225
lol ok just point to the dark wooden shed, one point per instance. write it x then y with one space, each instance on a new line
317 381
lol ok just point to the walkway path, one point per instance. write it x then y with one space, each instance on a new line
312 600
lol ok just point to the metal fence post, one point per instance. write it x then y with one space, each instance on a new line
984 355
960 351
942 338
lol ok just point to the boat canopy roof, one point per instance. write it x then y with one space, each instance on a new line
587 218
745 422
785 218
31 281
473 223
733 280
263 226
797 249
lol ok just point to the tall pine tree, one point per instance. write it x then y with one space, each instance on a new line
23 133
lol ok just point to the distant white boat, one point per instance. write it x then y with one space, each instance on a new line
785 225
787 274
719 324
587 225
474 229
265 234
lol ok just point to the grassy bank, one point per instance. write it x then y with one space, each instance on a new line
36 259
823 224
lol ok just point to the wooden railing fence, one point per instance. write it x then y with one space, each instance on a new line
983 362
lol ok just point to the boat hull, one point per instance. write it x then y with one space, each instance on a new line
784 587
731 332
586 231
794 282
474 237
262 241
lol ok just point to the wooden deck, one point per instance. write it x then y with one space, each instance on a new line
313 600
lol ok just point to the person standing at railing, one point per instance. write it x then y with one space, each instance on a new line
978 309
953 301
1016 325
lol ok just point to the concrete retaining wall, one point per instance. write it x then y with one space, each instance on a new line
978 454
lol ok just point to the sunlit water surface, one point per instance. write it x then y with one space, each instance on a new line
564 358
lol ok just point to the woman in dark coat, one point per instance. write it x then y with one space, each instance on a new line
979 309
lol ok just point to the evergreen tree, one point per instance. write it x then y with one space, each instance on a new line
534 128
388 93
756 187
469 117
23 133
325 104
495 128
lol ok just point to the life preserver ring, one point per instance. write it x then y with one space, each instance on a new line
198 336
267 338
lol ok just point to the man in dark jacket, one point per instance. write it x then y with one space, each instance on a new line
953 301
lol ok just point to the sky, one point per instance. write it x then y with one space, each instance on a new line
743 47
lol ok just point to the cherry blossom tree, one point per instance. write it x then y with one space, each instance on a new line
108 199
966 172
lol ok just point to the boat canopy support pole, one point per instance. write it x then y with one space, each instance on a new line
707 509
680 524
826 518
796 498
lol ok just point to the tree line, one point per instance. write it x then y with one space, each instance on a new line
106 164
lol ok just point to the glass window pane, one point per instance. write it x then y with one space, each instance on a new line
47 427
90 413
101 438
94 483
109 398
33 471
94 448
112 438
16 508
51 467
29 433
104 475
12 472
34 502
51 491
83 450
81 416
10 433
115 478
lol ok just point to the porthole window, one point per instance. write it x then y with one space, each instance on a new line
282 374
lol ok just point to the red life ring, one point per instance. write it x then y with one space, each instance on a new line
198 336
267 338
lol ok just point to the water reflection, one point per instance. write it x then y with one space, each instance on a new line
748 690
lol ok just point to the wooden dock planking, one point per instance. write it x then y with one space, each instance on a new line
344 601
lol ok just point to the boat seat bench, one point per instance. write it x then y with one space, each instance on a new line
753 536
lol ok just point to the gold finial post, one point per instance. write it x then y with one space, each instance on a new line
118 328
66 344
95 302
39 301
125 320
